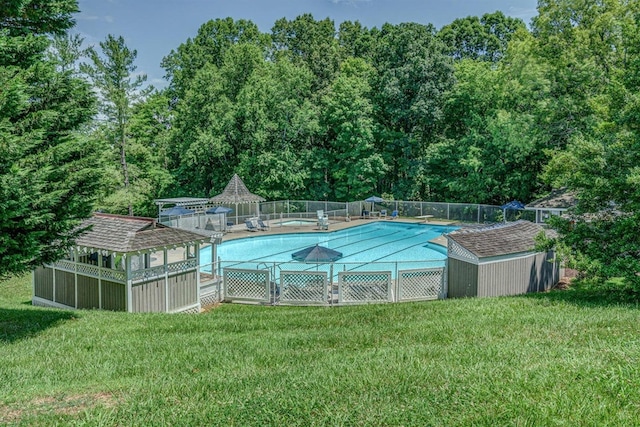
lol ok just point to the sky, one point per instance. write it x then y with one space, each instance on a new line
155 27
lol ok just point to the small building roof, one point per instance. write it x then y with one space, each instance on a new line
502 239
119 233
557 199
236 192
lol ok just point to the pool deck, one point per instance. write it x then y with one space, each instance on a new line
240 231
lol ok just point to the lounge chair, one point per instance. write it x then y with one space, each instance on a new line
366 214
383 213
250 225
323 223
394 215
261 225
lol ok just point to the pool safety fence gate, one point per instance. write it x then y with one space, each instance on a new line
326 288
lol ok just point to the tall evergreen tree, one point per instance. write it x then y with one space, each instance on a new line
112 75
48 174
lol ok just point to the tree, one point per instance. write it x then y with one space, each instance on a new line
483 38
348 118
599 161
310 42
111 74
413 75
48 173
279 125
209 46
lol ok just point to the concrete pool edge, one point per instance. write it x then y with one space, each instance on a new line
240 231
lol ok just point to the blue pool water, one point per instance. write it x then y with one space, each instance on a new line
376 242
296 222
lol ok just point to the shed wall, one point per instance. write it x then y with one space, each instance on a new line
462 278
532 273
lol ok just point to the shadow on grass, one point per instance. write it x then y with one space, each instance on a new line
17 324
586 293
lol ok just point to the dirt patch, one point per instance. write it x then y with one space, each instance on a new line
209 307
59 405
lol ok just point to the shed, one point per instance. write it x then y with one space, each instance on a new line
557 202
125 263
499 260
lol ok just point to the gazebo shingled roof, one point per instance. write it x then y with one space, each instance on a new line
118 233
236 192
503 239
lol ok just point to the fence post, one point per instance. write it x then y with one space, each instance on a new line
396 289
330 284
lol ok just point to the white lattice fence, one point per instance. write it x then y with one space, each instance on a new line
246 285
88 270
309 288
182 265
420 284
364 287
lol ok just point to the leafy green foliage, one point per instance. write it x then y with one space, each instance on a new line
111 74
484 38
48 174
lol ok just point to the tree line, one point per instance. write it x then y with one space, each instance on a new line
483 110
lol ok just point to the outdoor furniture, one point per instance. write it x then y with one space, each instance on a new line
394 215
250 225
261 225
366 214
323 223
323 220
383 213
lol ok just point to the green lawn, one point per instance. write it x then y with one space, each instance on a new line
561 358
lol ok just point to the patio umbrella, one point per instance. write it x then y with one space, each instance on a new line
176 211
512 205
374 199
316 253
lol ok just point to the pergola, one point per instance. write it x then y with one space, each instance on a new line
193 202
235 193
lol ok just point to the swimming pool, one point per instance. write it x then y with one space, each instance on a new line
297 223
373 246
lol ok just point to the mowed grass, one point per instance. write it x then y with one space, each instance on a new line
549 359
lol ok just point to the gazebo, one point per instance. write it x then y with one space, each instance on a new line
235 193
125 263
